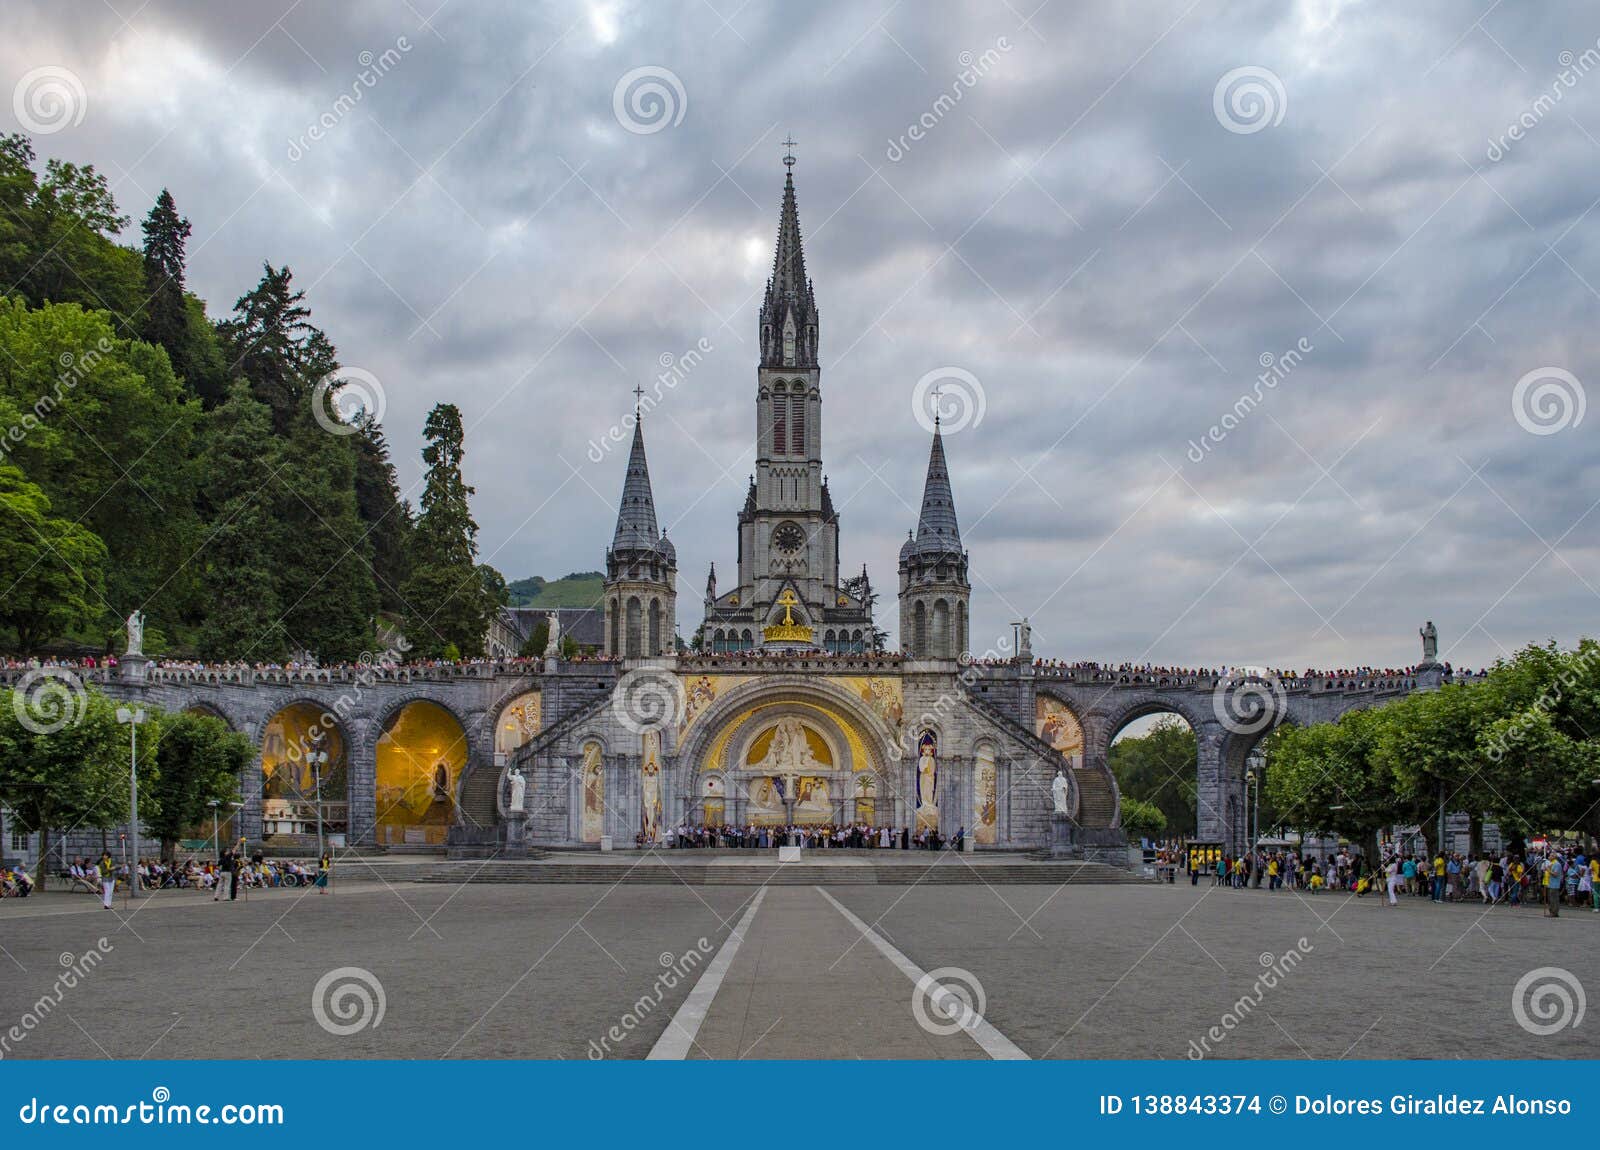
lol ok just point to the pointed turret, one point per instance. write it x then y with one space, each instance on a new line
937 529
934 591
636 514
641 566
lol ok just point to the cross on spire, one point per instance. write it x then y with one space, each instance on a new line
788 155
937 392
638 398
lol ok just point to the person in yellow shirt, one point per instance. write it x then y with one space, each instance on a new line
1438 877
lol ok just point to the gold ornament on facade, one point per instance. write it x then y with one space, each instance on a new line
788 631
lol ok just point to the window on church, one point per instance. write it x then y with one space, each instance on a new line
780 419
797 423
788 341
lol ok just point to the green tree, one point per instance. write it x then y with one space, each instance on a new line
1326 778
55 567
1158 767
385 516
108 438
71 777
243 538
1141 819
271 341
449 597
198 759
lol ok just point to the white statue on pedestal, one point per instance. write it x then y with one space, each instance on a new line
519 790
1059 791
136 633
552 643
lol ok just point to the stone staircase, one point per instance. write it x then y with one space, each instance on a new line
942 873
1096 802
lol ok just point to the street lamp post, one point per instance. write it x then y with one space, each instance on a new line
216 836
317 757
133 716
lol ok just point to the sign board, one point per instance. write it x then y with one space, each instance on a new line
788 854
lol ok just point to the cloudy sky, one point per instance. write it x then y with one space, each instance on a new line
1095 223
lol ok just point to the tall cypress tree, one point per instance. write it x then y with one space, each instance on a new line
449 600
386 517
243 537
165 319
271 341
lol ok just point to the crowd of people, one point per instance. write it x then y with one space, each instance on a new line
818 836
1151 671
221 876
1546 876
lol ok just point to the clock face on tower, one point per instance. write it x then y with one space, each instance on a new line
788 538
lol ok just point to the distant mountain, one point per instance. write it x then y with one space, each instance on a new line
579 589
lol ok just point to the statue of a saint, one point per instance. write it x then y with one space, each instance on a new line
1025 641
552 643
136 632
519 789
1430 642
1059 789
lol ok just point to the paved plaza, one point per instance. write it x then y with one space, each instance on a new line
584 971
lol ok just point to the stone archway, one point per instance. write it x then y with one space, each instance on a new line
296 783
419 756
845 742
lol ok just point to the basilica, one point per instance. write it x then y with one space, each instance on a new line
789 710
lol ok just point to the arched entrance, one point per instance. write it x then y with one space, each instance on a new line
304 768
519 721
776 751
1153 757
420 755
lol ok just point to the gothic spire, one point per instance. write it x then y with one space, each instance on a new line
636 515
789 312
937 529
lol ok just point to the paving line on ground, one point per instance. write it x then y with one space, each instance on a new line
996 1045
685 1024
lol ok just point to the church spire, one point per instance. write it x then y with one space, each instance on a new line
937 529
789 312
636 515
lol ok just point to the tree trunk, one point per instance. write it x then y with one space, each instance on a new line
1475 835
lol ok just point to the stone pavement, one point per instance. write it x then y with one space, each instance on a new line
578 971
